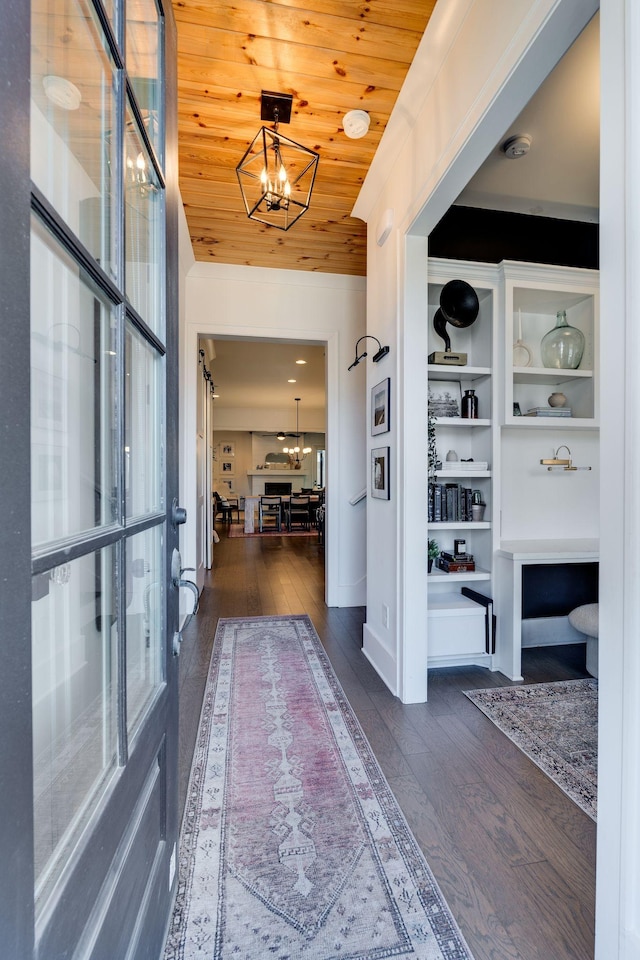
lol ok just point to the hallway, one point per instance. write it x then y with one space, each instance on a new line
514 857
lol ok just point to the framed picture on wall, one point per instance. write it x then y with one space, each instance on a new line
380 407
227 467
380 473
228 449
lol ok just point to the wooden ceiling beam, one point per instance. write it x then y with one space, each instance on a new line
384 12
343 35
216 80
291 60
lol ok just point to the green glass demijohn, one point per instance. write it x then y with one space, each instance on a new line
562 347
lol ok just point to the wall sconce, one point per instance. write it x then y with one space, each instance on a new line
558 463
382 351
276 175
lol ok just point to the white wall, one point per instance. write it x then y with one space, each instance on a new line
479 73
618 856
537 503
223 300
471 76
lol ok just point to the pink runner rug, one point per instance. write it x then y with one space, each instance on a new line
293 845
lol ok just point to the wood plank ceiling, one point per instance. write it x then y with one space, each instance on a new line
332 56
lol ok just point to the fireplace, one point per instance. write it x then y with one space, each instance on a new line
276 489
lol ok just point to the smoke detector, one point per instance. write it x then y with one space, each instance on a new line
356 123
516 147
62 92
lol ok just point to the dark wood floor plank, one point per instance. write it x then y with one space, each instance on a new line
485 933
561 923
512 854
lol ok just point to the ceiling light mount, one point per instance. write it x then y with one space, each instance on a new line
276 107
517 146
276 174
382 351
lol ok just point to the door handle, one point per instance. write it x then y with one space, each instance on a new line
178 581
178 514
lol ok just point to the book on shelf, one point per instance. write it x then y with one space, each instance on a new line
457 557
456 566
449 502
549 412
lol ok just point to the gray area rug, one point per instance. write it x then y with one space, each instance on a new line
293 846
556 726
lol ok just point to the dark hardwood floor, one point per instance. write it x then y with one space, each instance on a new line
514 857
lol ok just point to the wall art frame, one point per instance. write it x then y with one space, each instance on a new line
380 397
445 398
380 473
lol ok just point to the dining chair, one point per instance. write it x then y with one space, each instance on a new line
270 508
234 507
298 513
222 507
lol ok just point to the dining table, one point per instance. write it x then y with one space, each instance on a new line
251 507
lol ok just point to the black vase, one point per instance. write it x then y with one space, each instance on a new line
470 405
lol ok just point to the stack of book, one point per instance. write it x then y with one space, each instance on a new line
456 562
549 412
449 502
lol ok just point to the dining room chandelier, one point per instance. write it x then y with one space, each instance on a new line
294 452
276 174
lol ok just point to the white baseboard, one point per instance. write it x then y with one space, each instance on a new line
548 632
379 657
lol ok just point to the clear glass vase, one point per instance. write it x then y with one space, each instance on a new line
562 347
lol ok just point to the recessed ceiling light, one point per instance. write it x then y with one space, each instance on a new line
62 92
301 361
355 124
292 381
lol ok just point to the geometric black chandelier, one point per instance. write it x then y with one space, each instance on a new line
276 175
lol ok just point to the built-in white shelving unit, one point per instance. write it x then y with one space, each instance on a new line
533 294
456 623
518 301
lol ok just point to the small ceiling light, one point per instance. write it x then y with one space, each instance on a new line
276 175
301 361
516 147
62 92
356 124
292 381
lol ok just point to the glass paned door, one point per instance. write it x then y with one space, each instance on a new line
73 397
74 651
103 606
144 64
73 121
144 617
144 422
144 239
